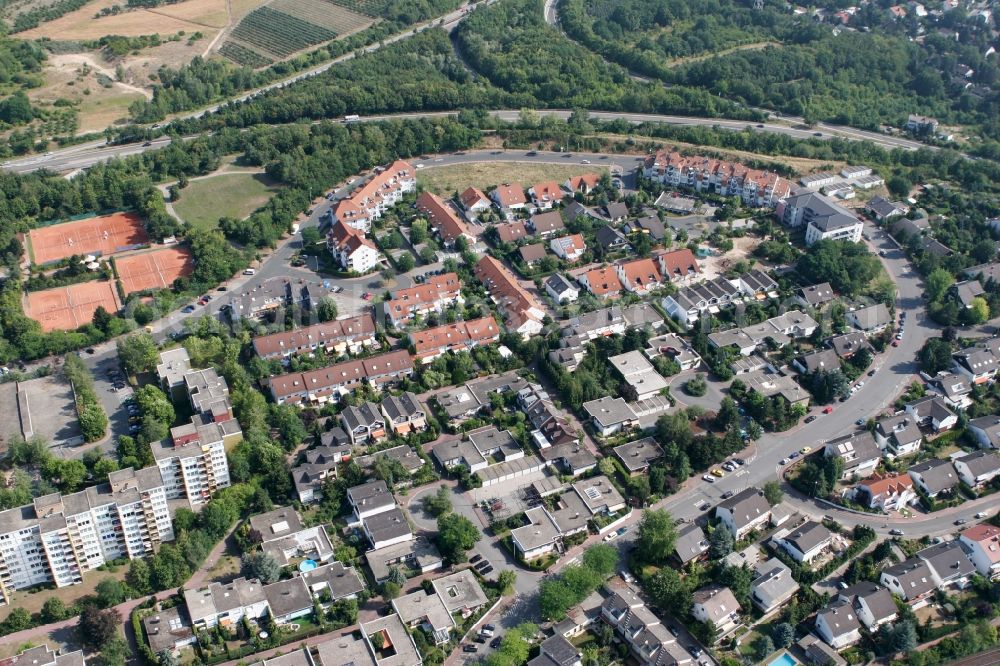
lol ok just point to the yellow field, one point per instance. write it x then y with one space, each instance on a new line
190 16
447 179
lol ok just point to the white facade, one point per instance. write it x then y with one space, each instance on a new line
195 472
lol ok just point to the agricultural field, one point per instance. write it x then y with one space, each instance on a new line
484 175
237 195
282 27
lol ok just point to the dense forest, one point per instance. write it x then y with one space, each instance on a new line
510 44
417 74
204 81
20 68
809 69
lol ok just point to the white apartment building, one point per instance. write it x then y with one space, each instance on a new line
193 461
57 538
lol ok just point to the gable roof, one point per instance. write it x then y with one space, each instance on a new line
678 263
603 281
816 294
533 252
442 218
610 237
509 194
472 196
544 223
511 232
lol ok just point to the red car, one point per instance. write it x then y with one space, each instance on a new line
828 410
367 296
895 343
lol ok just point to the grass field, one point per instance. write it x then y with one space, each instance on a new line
237 195
448 179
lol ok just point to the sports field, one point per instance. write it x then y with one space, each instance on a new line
153 270
69 308
103 236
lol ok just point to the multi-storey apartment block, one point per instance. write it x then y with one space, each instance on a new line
438 293
372 199
58 538
705 174
193 462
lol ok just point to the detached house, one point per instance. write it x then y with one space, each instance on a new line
986 430
911 580
509 197
806 542
977 364
474 202
890 492
404 414
772 586
934 476
639 275
982 543
977 469
610 239
838 625
898 435
546 224
815 296
872 603
511 232
744 512
932 412
718 605
870 320
569 248
584 184
601 282
950 564
858 451
546 194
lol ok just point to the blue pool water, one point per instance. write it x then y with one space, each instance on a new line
784 659
309 565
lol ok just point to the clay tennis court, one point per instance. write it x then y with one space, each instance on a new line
102 235
68 308
153 270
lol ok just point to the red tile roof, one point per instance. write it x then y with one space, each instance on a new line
472 196
890 483
438 288
324 380
586 182
353 328
461 334
511 232
518 305
641 272
442 218
701 168
678 263
547 192
510 194
603 281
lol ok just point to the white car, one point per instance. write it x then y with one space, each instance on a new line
420 166
708 478
611 537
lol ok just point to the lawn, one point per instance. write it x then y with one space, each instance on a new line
448 179
237 195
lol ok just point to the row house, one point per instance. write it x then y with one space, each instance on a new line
364 423
58 538
677 264
639 276
319 464
341 336
265 299
431 343
434 296
193 460
352 251
371 200
404 414
647 638
704 174
690 302
369 499
602 282
329 383
522 313
443 219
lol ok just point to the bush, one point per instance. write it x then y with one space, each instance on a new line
696 386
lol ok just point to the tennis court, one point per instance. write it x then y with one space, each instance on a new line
102 235
68 308
153 270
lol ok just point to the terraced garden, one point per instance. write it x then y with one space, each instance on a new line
283 27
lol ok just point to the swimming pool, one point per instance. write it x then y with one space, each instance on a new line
783 659
309 565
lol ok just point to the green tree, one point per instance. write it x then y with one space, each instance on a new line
727 415
438 503
601 558
506 580
93 422
326 309
98 627
418 231
763 647
667 591
115 652
155 403
655 537
406 262
53 610
696 386
720 543
260 565
783 634
773 493
456 535
18 619
937 283
935 356
139 577
109 592
138 353
979 310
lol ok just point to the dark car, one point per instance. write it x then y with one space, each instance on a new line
475 558
726 495
489 627
90 350
479 639
960 521
482 565
495 643
486 571
811 418
470 648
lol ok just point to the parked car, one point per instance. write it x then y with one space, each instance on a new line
785 461
188 309
726 495
960 521
810 418
485 571
495 643
896 532
479 639
828 410
860 422
708 478
467 648
475 558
